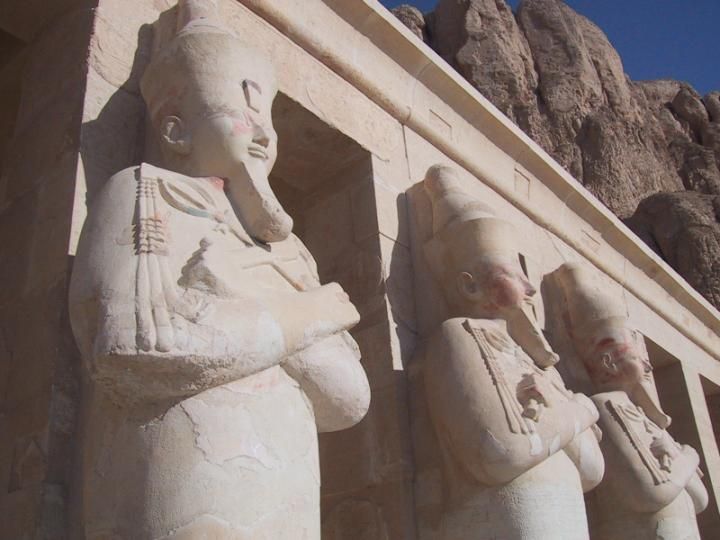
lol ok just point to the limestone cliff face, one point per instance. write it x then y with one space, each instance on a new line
640 147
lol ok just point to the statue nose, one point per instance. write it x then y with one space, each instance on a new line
260 137
529 289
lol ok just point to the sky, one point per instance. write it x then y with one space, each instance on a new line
656 39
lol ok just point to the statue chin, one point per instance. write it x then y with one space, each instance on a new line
260 211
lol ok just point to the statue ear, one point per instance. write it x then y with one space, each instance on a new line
175 136
468 287
608 363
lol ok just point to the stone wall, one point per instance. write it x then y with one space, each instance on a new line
38 359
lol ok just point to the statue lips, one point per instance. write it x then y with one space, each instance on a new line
257 151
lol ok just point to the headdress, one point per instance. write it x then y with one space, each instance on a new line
464 229
201 53
599 327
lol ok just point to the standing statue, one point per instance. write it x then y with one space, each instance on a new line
213 355
652 487
518 448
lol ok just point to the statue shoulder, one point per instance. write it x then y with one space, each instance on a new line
120 185
462 326
123 185
451 331
483 332
462 340
126 181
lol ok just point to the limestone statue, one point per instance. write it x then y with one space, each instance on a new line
652 486
518 448
212 353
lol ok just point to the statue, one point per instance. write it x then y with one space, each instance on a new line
518 448
652 486
213 355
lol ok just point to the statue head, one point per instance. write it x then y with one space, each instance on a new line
474 255
209 98
614 354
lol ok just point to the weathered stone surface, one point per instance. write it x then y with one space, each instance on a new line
711 138
699 171
481 39
683 229
413 18
556 74
558 77
688 106
712 103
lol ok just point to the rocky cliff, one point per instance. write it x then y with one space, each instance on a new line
649 150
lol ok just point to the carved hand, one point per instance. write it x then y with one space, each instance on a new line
665 450
332 300
310 316
532 395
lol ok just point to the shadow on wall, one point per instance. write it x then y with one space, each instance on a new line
115 138
674 393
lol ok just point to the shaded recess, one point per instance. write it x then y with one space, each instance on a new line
324 180
11 62
674 394
318 176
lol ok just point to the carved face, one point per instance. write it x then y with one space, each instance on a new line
498 284
508 286
233 133
226 131
622 365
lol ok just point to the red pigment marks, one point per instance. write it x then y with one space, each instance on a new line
507 286
604 343
216 182
243 125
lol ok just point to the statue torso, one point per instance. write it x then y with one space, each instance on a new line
494 368
617 520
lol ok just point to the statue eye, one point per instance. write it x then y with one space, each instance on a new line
253 92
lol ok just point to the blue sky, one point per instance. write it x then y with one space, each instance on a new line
657 39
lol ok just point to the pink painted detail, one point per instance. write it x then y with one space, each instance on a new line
508 287
216 182
243 125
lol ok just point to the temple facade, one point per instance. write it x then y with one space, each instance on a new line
182 245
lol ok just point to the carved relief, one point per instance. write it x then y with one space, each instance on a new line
652 483
635 424
213 353
518 448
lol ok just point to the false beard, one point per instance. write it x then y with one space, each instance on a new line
523 328
259 210
645 396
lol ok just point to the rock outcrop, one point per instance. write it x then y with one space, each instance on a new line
637 146
683 228
413 18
